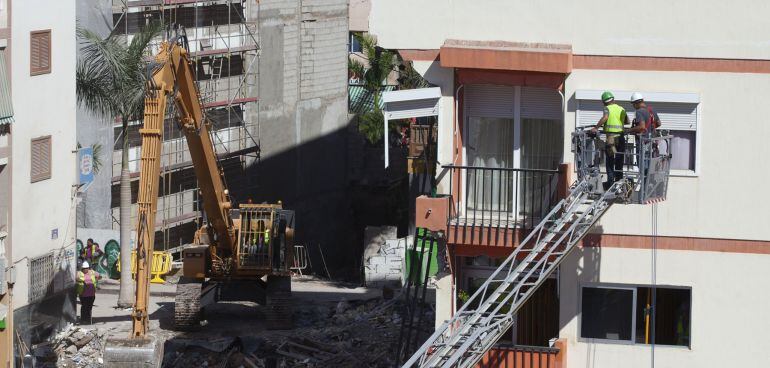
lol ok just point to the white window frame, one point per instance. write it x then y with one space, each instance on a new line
351 39
653 97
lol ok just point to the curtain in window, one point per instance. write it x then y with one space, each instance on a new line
490 145
541 148
683 150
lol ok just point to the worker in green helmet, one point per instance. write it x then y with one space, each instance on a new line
612 124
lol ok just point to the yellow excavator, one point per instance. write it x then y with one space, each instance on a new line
239 254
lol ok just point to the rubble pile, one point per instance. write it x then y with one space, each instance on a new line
73 347
348 334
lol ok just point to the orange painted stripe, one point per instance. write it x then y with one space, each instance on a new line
641 63
673 64
677 243
473 241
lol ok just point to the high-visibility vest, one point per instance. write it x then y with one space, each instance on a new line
88 252
615 121
81 281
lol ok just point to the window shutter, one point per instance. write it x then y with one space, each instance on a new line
489 101
673 115
40 52
41 159
540 103
413 108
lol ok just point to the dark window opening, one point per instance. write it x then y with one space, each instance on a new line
611 314
355 45
672 317
607 313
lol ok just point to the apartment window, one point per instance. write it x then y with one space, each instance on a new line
625 313
607 313
678 112
41 273
40 159
355 45
40 52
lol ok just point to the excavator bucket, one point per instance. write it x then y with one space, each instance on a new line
133 352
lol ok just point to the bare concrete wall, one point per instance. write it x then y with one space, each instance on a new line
94 209
303 119
359 15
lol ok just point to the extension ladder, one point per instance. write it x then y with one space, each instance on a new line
488 314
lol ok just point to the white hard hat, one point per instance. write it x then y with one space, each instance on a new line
85 265
636 96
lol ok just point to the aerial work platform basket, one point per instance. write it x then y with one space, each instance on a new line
646 163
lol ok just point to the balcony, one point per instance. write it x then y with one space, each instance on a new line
492 206
525 356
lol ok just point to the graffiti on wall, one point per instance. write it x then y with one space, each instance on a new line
108 242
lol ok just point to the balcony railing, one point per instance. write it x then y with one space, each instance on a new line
521 356
501 197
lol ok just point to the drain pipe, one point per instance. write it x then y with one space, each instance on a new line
455 153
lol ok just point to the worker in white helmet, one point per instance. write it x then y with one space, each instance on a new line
87 280
644 125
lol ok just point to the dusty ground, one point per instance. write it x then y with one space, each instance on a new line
336 325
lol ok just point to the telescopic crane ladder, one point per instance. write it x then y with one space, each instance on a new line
489 313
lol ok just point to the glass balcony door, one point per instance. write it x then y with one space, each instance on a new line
508 129
490 147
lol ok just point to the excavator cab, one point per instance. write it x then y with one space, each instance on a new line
265 231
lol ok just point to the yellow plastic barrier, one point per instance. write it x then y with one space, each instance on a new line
161 265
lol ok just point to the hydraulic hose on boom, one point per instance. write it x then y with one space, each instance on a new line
171 75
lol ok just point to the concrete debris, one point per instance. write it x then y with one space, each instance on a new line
356 333
342 306
70 348
383 256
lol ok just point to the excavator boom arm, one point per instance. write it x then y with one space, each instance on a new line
172 75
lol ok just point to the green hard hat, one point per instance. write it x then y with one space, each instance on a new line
607 96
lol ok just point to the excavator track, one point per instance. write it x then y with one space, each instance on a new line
187 305
278 311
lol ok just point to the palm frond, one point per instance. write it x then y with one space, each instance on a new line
138 46
92 90
368 44
356 68
97 158
105 54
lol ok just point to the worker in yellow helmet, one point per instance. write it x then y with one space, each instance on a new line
612 123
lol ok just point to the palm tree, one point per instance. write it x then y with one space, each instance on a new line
110 82
381 63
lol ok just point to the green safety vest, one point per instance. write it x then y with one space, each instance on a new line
615 121
81 281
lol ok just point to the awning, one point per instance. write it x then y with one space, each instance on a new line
360 100
410 103
501 55
6 108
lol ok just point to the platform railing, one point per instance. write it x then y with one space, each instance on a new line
646 161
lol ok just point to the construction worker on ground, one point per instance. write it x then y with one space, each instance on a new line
612 123
87 282
90 252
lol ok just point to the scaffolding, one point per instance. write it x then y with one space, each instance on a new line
224 49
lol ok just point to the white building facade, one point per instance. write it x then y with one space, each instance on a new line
517 78
43 165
